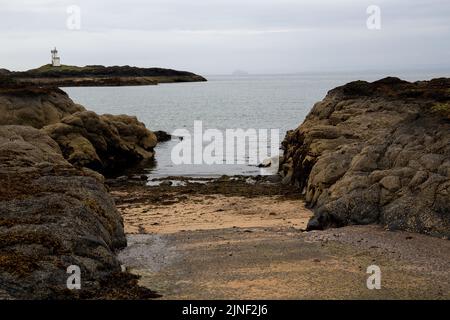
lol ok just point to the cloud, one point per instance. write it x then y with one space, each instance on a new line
218 36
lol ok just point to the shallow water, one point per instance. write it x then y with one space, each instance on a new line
224 102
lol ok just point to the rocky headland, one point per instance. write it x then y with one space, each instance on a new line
96 75
376 153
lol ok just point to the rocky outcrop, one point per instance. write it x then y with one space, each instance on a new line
105 143
376 153
52 216
108 144
34 106
163 136
94 75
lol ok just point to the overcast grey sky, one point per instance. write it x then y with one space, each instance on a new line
220 36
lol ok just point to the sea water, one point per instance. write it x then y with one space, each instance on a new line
224 102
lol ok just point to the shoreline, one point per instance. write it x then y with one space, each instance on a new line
230 239
105 81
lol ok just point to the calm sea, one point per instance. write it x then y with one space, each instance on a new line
224 102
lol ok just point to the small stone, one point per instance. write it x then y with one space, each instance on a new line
162 136
274 178
266 163
314 224
250 181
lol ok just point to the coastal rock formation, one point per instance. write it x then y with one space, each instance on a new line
33 106
52 216
104 143
108 144
163 136
95 75
376 153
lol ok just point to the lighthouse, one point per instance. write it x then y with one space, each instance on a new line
55 59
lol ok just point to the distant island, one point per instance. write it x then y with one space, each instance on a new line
97 75
240 73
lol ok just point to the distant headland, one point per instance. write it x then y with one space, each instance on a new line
96 75
60 75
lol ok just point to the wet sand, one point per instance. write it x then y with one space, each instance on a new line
233 240
208 212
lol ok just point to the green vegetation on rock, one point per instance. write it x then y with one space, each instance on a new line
442 108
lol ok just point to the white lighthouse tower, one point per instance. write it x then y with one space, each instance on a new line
55 59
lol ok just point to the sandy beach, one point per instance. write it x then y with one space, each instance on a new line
229 245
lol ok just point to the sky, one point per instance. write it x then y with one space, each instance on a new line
221 36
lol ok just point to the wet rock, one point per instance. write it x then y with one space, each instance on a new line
276 178
265 164
166 183
375 153
314 224
122 179
162 136
141 177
